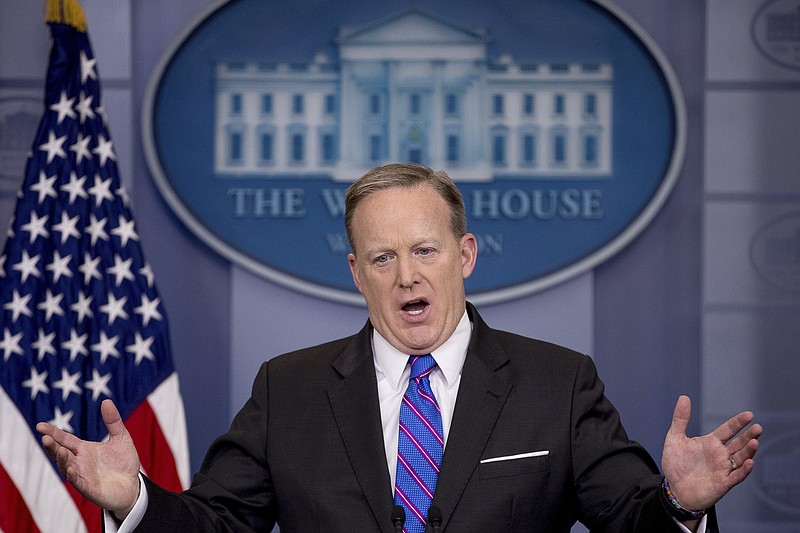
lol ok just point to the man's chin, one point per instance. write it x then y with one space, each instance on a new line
419 345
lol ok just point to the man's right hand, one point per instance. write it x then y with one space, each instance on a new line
106 473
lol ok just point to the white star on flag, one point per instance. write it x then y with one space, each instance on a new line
63 107
45 186
44 344
125 231
68 227
87 68
84 107
115 308
148 309
121 270
147 272
141 347
75 187
106 347
10 344
62 420
81 148
98 385
90 269
27 266
101 190
76 345
83 308
51 305
18 305
104 150
36 227
96 229
53 146
36 383
59 266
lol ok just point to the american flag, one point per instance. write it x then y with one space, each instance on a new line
80 317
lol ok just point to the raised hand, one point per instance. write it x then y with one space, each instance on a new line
701 470
105 473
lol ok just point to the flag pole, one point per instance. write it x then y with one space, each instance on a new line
66 12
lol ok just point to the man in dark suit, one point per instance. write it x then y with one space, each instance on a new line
530 443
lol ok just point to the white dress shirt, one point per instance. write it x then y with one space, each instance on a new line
393 373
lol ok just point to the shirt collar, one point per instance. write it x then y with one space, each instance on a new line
450 356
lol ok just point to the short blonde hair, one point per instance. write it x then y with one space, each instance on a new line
405 175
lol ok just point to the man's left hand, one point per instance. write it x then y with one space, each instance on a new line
701 470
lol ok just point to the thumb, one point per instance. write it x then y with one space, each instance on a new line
680 417
112 419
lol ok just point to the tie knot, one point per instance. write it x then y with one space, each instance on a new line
421 365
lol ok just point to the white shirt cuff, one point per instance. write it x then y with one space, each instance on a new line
112 525
700 529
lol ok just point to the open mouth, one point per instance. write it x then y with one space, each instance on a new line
415 307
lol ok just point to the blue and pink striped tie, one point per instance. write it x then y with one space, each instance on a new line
419 446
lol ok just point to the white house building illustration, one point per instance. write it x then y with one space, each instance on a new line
413 87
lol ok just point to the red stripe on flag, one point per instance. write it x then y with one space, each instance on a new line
154 452
15 516
91 513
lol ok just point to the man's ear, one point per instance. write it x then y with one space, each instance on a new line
351 259
469 254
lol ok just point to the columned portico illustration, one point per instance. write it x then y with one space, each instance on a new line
414 87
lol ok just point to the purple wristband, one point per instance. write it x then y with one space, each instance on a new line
675 507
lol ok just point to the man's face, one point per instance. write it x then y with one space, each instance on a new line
410 267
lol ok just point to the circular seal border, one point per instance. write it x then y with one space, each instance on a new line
490 297
774 58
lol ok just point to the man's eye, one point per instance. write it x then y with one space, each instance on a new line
424 251
382 258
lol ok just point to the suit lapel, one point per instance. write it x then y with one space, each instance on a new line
354 400
481 396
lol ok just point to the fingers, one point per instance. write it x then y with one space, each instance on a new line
63 459
744 462
112 419
681 416
62 447
50 446
744 456
744 447
740 474
732 426
62 455
53 437
741 441
54 441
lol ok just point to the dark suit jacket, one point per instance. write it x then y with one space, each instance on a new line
307 450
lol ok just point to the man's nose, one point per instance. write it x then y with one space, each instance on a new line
407 272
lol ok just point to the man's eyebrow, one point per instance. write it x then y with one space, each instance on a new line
378 250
